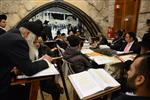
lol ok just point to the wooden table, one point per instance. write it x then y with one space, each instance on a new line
35 85
107 92
100 94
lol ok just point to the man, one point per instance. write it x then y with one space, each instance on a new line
79 61
47 34
61 41
3 19
145 47
138 79
15 53
49 85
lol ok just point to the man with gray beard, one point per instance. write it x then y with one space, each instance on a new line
15 52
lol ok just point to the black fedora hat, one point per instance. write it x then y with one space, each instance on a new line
3 17
35 27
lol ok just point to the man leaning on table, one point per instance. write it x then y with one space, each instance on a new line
15 52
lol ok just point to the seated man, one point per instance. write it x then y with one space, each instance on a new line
118 41
138 79
130 44
49 85
145 48
79 61
61 41
99 40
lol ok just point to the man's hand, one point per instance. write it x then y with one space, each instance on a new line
46 57
16 71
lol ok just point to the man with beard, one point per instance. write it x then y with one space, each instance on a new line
138 79
15 53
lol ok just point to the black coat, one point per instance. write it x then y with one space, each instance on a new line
14 52
128 97
79 62
2 31
117 44
135 47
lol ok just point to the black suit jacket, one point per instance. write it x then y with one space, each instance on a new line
135 47
2 31
15 52
129 97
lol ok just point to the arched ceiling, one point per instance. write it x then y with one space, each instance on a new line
82 16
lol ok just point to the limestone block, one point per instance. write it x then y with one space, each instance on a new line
22 12
12 20
28 5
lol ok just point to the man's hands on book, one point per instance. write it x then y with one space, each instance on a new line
46 57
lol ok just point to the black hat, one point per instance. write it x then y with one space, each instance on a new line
146 40
3 17
73 40
46 22
35 27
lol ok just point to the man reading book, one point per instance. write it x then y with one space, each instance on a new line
138 79
15 53
79 62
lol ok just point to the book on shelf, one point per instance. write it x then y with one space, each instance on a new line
51 70
89 82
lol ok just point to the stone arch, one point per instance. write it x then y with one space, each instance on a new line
89 23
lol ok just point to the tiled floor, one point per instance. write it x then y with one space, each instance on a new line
63 96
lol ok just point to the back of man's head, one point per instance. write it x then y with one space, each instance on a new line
73 40
145 41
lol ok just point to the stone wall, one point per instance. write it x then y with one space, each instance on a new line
101 11
144 14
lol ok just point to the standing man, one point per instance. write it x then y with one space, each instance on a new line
3 19
15 53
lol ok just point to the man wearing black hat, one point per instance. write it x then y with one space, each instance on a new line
15 52
3 19
46 33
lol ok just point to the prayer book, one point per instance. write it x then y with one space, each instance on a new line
51 70
89 82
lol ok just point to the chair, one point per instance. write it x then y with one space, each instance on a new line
67 67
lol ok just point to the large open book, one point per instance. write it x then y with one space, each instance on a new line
92 81
51 70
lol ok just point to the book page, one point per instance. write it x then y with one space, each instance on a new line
84 84
103 78
84 51
101 59
51 70
127 57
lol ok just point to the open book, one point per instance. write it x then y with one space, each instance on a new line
92 81
51 70
124 58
